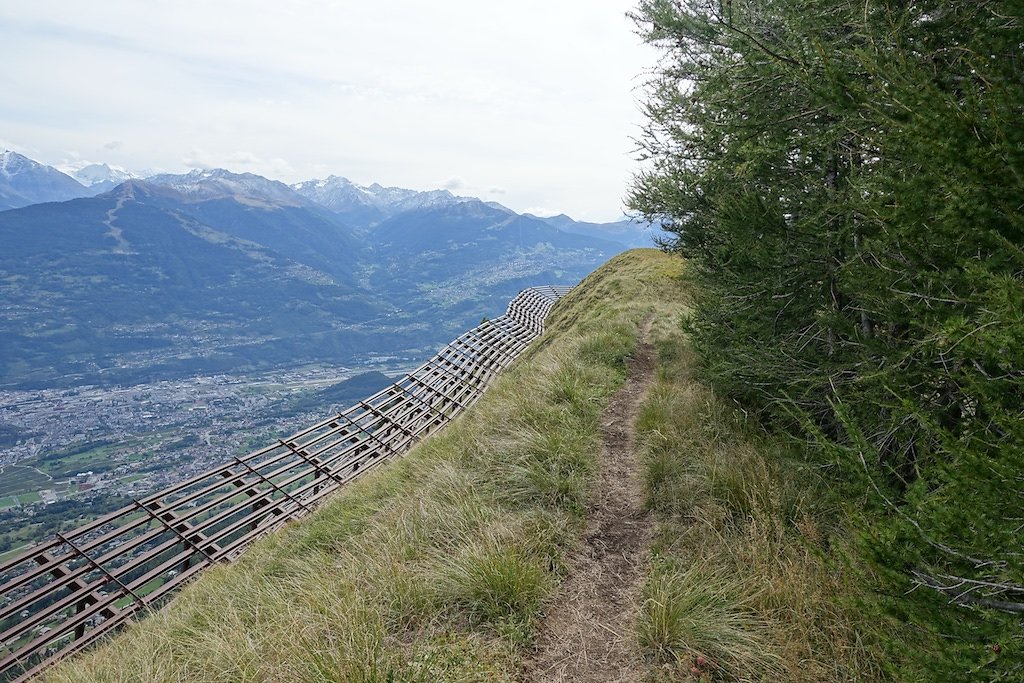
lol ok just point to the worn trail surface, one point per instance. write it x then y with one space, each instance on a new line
587 634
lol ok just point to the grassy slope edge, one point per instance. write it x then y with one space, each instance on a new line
750 578
437 566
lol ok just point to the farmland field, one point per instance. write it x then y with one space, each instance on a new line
19 479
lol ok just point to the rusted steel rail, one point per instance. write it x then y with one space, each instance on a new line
61 595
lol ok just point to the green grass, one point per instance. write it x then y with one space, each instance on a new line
748 580
13 552
58 465
18 479
700 616
437 566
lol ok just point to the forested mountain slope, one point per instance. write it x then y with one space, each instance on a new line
212 272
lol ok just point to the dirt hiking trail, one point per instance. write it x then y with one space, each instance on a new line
588 631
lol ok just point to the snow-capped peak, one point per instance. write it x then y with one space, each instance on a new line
371 202
94 174
12 163
24 182
217 183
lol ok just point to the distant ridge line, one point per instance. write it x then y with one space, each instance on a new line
63 594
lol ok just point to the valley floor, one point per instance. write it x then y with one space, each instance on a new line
701 546
78 453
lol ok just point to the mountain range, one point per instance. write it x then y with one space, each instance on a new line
130 279
24 182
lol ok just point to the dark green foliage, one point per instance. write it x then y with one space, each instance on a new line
847 179
16 529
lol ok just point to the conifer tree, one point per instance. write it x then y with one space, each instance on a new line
847 179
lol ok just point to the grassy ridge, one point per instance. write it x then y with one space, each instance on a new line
437 566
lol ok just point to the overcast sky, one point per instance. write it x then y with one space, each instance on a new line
532 103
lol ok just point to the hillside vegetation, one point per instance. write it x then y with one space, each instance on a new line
436 567
846 181
440 566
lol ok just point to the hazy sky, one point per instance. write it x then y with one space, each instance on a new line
532 103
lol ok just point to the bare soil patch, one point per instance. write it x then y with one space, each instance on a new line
587 633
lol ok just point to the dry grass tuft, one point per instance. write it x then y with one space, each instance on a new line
744 574
696 612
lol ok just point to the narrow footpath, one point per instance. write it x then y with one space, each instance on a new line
588 631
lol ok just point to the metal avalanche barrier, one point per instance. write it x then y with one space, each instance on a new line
61 595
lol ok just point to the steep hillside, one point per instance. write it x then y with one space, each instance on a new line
132 282
213 271
459 257
451 564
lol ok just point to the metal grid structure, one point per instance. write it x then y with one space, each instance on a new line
63 594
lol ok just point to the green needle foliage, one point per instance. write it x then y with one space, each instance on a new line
847 179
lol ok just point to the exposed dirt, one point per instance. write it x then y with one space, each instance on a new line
587 634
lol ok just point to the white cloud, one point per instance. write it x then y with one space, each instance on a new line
12 146
198 158
279 168
535 97
242 159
